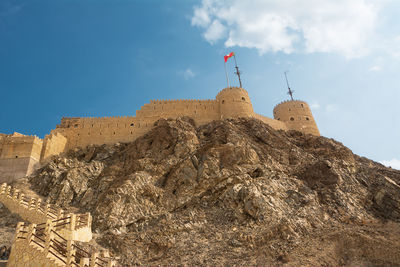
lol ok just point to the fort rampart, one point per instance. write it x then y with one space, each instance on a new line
53 144
19 155
35 211
297 116
51 237
41 245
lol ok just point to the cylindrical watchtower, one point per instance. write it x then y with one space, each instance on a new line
297 116
234 102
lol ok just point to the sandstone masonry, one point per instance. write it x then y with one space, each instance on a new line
20 154
51 237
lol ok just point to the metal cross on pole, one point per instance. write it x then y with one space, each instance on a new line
290 92
237 71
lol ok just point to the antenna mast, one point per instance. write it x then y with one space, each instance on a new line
237 71
290 92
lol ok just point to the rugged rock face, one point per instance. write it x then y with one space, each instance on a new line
231 192
8 223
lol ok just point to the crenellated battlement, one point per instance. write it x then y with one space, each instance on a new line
289 101
19 155
178 101
17 137
42 245
228 89
89 117
50 239
297 115
36 211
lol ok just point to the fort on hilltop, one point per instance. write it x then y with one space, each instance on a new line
20 155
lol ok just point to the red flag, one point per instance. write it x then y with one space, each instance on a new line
231 54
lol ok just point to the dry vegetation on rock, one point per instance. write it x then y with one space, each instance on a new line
231 193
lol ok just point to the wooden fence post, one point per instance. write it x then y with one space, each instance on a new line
15 194
20 226
72 224
70 252
3 188
31 205
49 235
8 191
89 220
60 214
47 210
32 232
84 262
38 202
93 260
105 253
21 198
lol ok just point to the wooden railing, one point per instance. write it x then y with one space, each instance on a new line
83 220
80 253
47 236
49 211
66 252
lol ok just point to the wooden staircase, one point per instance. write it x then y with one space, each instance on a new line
53 241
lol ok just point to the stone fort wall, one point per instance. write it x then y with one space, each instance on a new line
79 132
297 116
53 144
53 236
19 155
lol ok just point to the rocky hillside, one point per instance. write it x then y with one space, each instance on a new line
231 192
8 223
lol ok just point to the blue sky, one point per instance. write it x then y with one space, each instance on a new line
108 57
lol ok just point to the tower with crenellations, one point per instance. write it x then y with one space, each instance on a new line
297 116
234 102
20 154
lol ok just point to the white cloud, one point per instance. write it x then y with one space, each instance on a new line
394 163
377 65
330 108
187 74
315 106
375 68
201 17
342 26
214 32
392 46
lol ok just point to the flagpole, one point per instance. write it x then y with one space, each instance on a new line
237 71
226 74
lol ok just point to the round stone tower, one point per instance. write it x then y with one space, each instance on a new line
297 116
234 102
